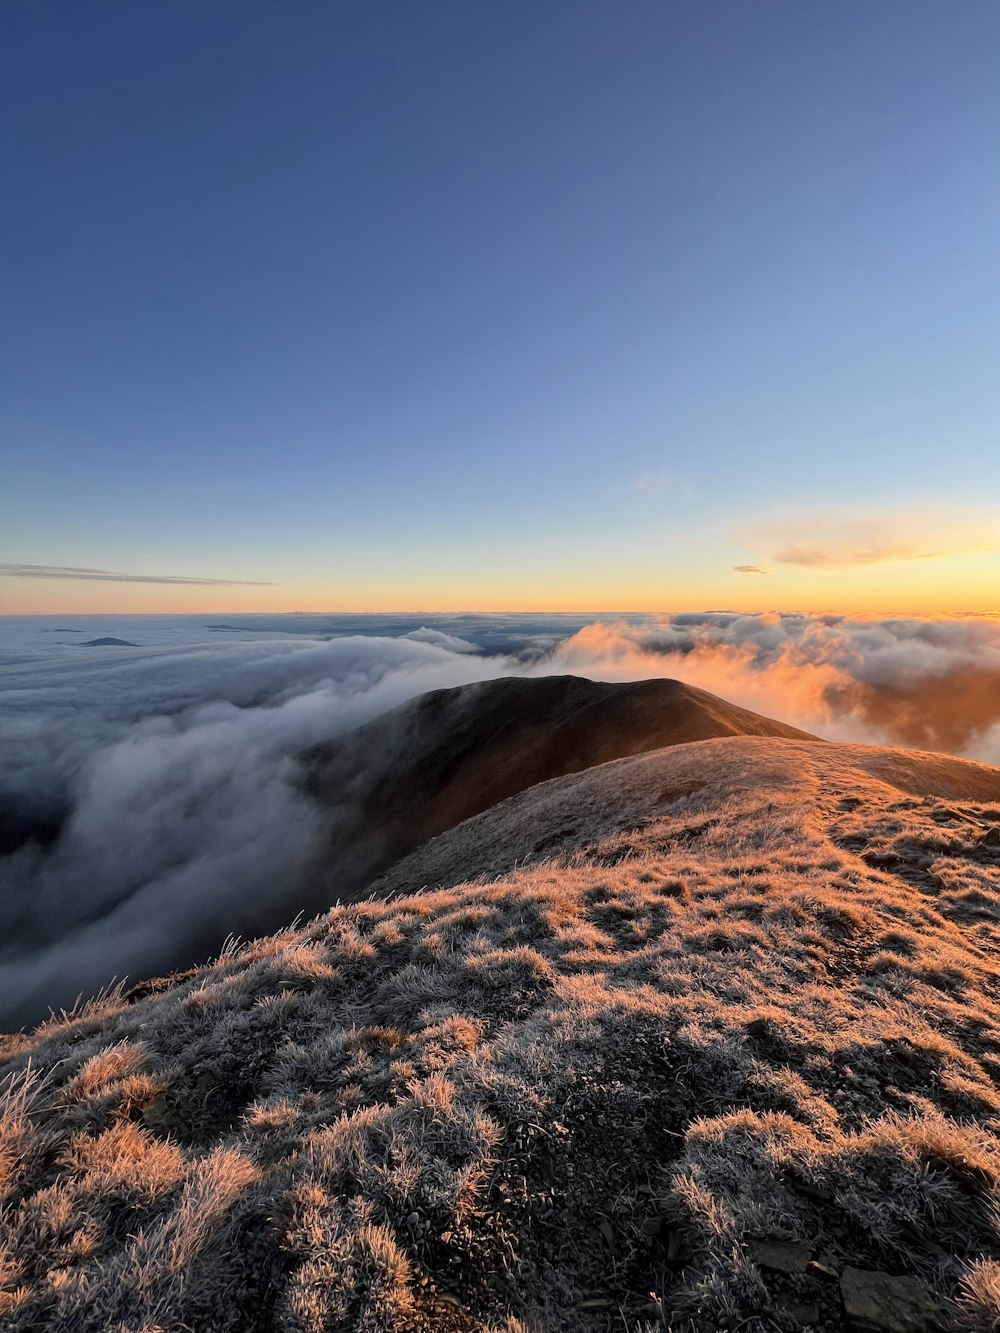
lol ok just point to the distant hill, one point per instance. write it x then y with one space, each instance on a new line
108 642
724 1056
445 756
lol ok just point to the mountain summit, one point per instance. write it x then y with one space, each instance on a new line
700 1039
438 759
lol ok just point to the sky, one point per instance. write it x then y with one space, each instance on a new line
579 306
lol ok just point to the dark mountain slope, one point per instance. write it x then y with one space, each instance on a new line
451 754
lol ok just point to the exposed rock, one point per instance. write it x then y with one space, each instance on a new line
882 1303
799 1314
784 1256
819 1268
991 838
809 1189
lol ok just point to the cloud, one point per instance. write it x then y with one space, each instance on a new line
751 569
926 684
824 541
108 576
155 804
159 804
450 641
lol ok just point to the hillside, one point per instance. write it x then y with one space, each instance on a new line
722 1057
436 760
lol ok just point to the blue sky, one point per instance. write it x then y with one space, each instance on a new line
482 305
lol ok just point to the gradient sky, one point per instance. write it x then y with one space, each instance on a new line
440 305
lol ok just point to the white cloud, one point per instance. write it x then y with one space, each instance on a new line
176 776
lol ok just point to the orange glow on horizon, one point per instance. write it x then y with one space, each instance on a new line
105 599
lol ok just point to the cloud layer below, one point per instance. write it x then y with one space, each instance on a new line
155 798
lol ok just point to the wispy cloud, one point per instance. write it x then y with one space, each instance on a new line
752 569
825 541
111 576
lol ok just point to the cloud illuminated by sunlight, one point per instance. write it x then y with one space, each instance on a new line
831 541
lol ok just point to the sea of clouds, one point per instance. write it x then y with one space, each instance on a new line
151 795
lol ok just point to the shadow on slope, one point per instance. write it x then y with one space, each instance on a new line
439 759
177 839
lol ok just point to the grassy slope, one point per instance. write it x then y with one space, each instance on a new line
754 994
447 755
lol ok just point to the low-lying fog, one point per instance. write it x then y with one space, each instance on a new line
150 793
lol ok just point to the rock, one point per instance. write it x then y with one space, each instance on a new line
808 1189
784 1256
820 1269
991 838
800 1314
881 1303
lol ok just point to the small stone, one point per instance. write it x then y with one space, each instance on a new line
820 1269
808 1189
881 1303
783 1256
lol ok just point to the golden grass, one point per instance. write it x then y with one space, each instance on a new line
567 1099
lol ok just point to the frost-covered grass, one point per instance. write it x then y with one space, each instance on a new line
754 994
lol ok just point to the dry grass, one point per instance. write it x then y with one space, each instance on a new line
756 995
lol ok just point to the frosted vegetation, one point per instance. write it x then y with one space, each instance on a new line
735 993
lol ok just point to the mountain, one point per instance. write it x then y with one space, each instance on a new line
723 1056
445 756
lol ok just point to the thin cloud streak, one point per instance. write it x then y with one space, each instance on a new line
825 541
810 556
110 576
751 569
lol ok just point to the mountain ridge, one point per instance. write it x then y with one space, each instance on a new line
724 1058
450 754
